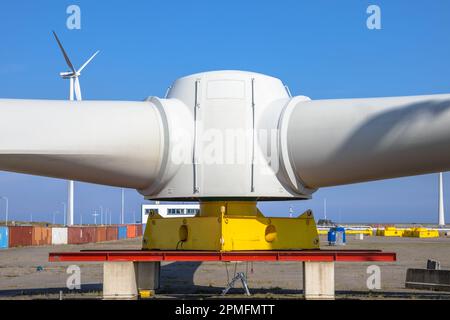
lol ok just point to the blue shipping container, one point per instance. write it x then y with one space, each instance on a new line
4 237
122 232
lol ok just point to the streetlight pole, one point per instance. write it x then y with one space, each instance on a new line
101 215
6 209
65 211
122 213
70 196
95 214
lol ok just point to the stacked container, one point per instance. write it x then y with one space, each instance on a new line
122 232
138 230
4 242
78 235
111 233
89 234
41 236
20 236
100 234
59 235
131 231
74 235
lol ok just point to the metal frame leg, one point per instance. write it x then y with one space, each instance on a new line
239 276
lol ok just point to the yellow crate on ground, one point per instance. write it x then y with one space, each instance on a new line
322 231
408 232
390 232
367 232
424 233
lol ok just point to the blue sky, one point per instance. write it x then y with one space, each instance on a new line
320 48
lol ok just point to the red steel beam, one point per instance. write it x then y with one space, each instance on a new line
304 255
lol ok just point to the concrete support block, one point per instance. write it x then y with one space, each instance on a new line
148 275
124 280
318 280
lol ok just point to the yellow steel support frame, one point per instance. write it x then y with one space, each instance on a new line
230 226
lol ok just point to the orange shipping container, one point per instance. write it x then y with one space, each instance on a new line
74 235
41 236
112 233
100 234
131 231
78 235
20 236
89 234
138 230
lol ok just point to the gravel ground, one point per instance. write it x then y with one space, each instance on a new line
26 273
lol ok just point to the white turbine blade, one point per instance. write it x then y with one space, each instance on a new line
87 62
71 145
347 141
66 57
77 89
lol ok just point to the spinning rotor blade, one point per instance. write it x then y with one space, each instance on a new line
66 57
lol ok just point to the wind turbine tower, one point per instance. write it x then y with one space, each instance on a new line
75 90
441 201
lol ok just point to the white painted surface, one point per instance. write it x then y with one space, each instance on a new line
59 235
343 141
226 106
318 280
119 280
64 139
123 280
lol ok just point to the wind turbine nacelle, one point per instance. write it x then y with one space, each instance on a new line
66 75
223 138
227 135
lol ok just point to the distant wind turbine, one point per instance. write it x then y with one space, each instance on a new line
73 75
75 89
